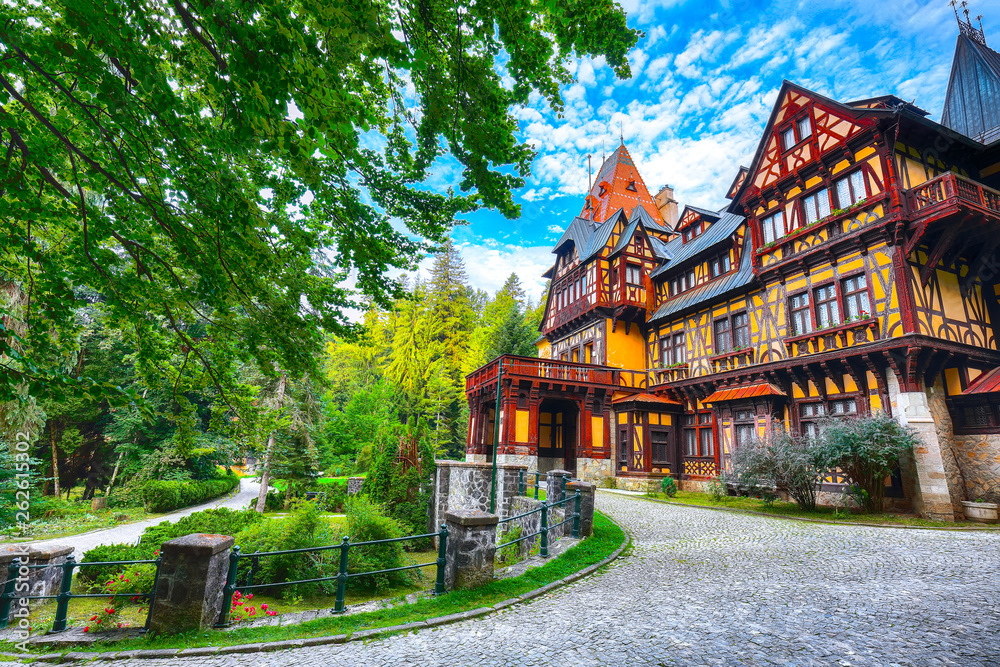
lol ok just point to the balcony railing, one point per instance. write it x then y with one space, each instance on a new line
549 369
948 190
670 374
728 361
833 338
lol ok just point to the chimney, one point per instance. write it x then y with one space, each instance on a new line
667 206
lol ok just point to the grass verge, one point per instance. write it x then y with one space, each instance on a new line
606 538
791 510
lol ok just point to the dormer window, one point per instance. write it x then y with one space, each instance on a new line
631 186
602 191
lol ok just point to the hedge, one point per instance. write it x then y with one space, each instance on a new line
112 552
159 496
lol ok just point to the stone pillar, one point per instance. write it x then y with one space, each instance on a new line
553 485
354 485
508 483
189 592
41 581
472 540
932 497
587 491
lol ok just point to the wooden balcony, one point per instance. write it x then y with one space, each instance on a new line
947 194
547 369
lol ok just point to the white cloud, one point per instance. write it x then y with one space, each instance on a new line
556 229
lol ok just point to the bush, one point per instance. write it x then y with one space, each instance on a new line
367 521
98 574
717 489
782 461
221 521
867 449
158 496
335 497
669 486
302 529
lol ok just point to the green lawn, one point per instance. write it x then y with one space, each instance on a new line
786 509
606 538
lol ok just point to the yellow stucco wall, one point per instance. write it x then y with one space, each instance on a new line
626 350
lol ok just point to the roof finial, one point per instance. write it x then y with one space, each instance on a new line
965 27
590 176
621 133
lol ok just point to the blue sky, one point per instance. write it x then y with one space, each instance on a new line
704 80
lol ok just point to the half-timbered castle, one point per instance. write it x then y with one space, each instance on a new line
854 268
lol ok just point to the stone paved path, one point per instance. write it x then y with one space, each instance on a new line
703 587
128 533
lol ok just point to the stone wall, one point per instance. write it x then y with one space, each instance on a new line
41 581
466 486
594 470
972 462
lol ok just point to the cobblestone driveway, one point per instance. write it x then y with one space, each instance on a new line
715 588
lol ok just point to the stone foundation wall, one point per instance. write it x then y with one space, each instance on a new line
640 484
693 485
594 470
972 462
547 463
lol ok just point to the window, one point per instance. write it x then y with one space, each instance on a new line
672 349
788 138
576 355
808 414
588 353
725 263
633 274
826 307
682 283
798 314
690 280
851 189
699 435
673 286
714 267
856 304
686 235
723 340
660 440
522 400
816 206
773 227
623 445
973 415
804 127
741 330
796 132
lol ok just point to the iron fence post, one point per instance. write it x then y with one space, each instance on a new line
230 589
536 485
338 605
576 515
562 487
8 594
62 606
521 488
152 595
442 560
254 564
544 550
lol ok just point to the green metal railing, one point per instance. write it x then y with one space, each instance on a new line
66 584
544 527
342 575
522 486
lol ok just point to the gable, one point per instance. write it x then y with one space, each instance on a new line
972 103
830 124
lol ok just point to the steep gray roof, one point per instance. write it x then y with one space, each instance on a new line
972 103
717 232
710 291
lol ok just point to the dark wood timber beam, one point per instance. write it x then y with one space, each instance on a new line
936 366
835 372
817 379
985 259
945 242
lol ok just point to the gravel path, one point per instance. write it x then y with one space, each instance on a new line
130 532
705 587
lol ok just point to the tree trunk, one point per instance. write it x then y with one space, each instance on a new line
55 460
265 473
114 473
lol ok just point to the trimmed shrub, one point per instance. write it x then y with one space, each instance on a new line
159 496
221 521
99 574
302 529
669 486
367 521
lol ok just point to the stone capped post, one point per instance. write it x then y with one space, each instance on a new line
189 592
354 485
553 485
472 545
41 581
587 491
